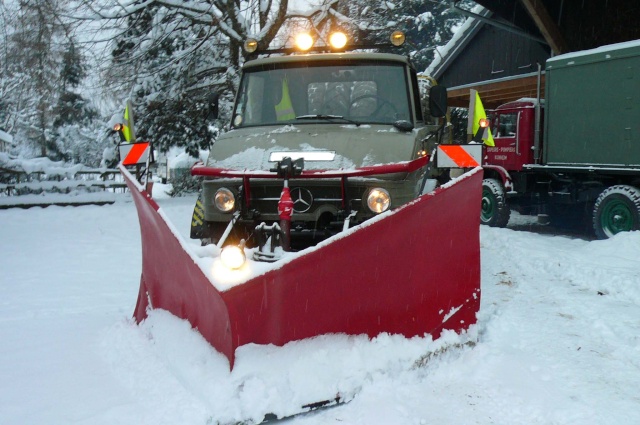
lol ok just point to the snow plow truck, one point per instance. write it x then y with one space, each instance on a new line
323 210
573 157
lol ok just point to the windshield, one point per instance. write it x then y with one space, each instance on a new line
358 92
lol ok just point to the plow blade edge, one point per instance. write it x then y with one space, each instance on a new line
413 272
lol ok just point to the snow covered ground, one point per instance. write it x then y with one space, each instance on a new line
558 339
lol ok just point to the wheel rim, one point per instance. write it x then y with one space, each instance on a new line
488 205
616 217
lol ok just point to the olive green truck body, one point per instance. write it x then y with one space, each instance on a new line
592 115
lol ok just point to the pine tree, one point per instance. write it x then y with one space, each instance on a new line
35 55
71 106
7 84
77 131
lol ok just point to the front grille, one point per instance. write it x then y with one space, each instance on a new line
307 198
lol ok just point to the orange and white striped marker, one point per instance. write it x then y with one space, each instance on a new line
134 153
459 156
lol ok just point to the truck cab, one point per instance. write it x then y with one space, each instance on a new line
512 126
331 113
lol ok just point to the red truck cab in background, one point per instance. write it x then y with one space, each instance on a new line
512 126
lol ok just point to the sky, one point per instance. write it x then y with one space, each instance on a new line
556 340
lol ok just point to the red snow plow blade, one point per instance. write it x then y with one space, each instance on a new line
414 271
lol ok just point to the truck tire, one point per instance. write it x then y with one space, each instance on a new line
494 212
616 210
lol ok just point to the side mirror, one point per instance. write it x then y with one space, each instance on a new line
214 108
438 101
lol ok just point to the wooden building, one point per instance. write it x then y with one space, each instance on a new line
499 48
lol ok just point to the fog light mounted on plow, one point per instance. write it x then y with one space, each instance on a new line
233 256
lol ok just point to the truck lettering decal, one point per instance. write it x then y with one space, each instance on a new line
497 149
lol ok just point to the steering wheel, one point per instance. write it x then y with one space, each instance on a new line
382 102
335 104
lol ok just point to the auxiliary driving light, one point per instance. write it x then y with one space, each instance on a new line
484 123
232 256
117 127
304 41
378 200
224 200
397 38
338 40
251 45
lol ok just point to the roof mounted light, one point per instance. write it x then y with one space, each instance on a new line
338 40
304 41
250 45
397 38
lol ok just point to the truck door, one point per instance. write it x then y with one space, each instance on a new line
507 150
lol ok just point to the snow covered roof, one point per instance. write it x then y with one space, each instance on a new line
610 51
447 53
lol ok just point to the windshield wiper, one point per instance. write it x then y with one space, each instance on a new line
327 117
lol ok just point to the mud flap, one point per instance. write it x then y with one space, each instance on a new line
413 271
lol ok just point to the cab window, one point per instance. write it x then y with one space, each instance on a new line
366 92
506 125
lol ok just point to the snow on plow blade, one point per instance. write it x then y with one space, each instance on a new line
413 271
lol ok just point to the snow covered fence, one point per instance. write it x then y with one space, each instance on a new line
42 182
39 182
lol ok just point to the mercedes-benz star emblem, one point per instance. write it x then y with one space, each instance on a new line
302 199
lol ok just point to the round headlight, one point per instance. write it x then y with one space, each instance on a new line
224 200
233 256
378 200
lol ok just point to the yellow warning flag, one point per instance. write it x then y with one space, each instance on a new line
284 109
127 128
478 113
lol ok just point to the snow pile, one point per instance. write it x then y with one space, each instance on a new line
266 379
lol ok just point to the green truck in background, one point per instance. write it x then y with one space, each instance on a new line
585 164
